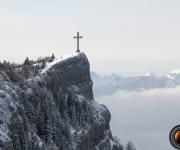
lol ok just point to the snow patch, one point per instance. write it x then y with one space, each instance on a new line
170 77
80 98
58 60
177 71
4 137
112 143
6 107
149 74
72 131
99 108
40 143
73 88
106 138
29 91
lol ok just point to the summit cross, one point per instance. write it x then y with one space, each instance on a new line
77 37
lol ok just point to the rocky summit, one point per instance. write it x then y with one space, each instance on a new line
54 110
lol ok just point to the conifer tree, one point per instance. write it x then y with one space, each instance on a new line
130 146
27 62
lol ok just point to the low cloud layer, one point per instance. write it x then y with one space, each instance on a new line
145 118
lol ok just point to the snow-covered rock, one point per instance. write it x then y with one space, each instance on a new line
54 110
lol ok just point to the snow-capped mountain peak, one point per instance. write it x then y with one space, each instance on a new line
177 71
108 85
149 74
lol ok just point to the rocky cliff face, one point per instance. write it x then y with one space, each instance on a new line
54 110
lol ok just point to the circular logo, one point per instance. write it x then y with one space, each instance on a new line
174 137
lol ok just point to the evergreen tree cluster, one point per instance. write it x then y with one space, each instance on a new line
29 69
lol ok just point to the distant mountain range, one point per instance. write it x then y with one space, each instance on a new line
107 85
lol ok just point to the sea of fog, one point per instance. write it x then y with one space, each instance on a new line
145 118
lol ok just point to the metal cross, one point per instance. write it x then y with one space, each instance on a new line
77 37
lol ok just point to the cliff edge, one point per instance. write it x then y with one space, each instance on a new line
54 110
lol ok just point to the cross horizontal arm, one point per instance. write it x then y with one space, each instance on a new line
77 37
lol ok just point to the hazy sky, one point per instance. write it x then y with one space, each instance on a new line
120 36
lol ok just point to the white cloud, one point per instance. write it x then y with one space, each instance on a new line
145 118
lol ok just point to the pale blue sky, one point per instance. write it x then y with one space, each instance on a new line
120 36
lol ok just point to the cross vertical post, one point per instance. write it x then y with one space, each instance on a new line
78 37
